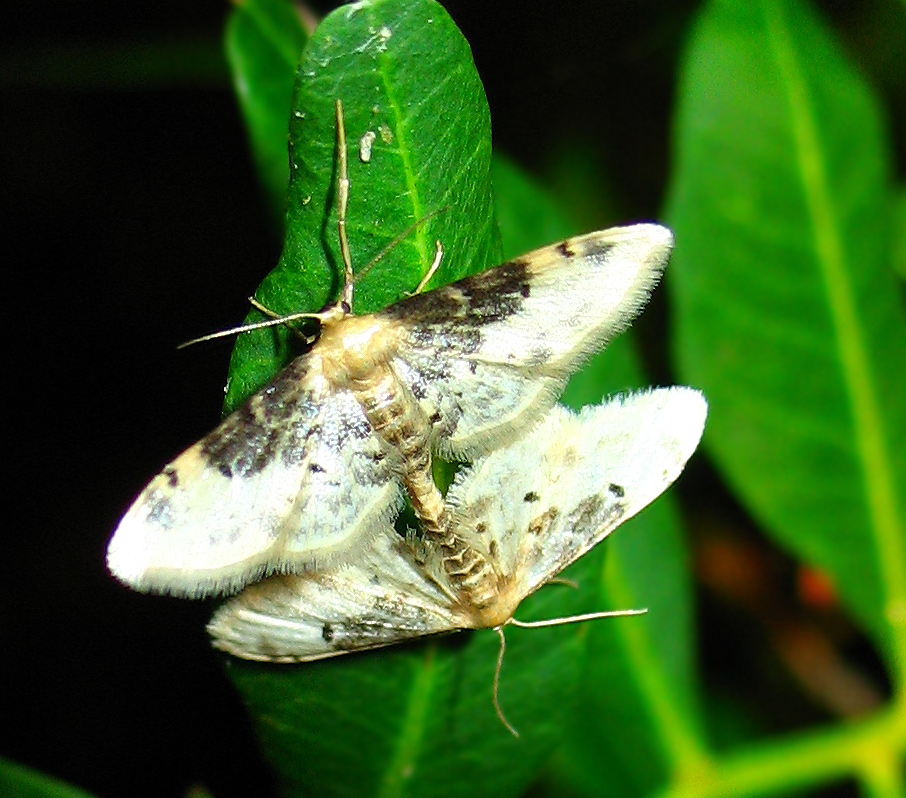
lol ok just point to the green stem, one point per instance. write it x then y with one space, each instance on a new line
872 750
884 777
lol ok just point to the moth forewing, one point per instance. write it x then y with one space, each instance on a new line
531 509
261 493
488 355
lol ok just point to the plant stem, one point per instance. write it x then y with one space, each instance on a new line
872 750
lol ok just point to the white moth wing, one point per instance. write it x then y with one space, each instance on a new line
542 503
489 354
531 508
381 598
287 483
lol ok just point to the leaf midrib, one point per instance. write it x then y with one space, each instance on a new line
871 450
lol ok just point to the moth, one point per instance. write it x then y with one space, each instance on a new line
523 513
316 464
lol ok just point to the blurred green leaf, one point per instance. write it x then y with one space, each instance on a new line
637 718
264 40
899 249
24 782
787 314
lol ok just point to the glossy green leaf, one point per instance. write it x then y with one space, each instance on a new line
637 717
419 719
264 40
431 156
23 782
787 312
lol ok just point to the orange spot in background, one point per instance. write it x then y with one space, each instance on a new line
816 589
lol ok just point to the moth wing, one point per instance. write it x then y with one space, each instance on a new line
293 479
488 355
551 497
380 598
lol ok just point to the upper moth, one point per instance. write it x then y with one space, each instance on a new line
315 463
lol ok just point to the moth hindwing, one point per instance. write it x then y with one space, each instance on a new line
530 509
314 466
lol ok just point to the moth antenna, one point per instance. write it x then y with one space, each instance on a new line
306 339
589 616
503 720
349 278
397 241
342 204
344 305
274 321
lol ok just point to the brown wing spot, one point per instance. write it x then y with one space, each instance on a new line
542 524
616 490
531 496
565 250
172 476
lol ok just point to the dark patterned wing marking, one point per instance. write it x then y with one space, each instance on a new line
290 481
489 354
380 599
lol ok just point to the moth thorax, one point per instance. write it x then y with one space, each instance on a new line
363 345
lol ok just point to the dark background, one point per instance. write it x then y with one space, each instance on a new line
132 220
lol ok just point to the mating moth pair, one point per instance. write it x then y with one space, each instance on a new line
300 488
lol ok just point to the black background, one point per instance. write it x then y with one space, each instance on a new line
132 220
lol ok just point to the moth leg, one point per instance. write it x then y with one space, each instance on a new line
559 580
438 257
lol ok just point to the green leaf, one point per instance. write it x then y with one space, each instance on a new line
18 780
432 153
786 309
419 719
638 710
899 249
263 42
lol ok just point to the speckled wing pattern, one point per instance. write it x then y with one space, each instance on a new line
286 483
489 354
299 479
380 598
543 502
533 508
